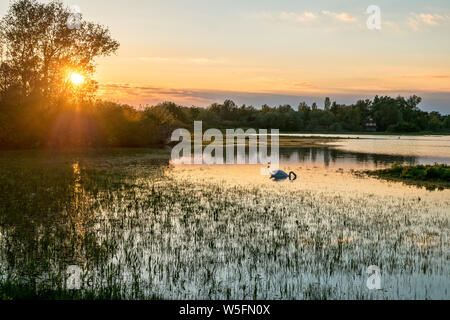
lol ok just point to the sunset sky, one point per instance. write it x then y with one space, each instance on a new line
202 51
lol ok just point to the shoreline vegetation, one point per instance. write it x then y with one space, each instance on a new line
30 122
431 177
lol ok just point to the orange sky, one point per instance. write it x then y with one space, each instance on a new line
275 52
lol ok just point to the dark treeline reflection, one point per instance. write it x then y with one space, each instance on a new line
331 157
327 157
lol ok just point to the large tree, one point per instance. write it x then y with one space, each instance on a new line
41 45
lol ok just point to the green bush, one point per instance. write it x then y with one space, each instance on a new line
436 172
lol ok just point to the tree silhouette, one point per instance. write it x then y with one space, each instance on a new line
40 49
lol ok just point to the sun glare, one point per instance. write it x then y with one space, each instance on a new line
76 79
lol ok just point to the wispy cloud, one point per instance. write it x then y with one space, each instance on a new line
181 60
290 16
419 20
427 76
431 19
142 95
341 16
307 16
334 19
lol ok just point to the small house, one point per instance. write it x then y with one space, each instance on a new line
370 125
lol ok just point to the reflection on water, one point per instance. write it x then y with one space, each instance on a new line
325 156
354 151
434 147
331 157
371 151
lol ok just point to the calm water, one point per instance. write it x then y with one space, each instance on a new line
333 157
138 227
421 149
364 151
370 151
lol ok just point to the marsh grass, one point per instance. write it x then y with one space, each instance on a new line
140 230
432 177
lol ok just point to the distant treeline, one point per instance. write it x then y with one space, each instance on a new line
33 122
385 113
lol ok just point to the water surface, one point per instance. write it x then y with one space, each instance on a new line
139 227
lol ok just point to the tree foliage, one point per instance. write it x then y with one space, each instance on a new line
39 50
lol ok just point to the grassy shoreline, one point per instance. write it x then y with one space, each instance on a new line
431 177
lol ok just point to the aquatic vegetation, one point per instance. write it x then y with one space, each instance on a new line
435 176
141 229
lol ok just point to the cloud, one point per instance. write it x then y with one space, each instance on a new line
427 76
181 60
303 85
141 95
342 16
334 19
306 16
431 19
138 94
391 26
290 16
417 21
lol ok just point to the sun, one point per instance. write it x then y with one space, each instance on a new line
76 79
